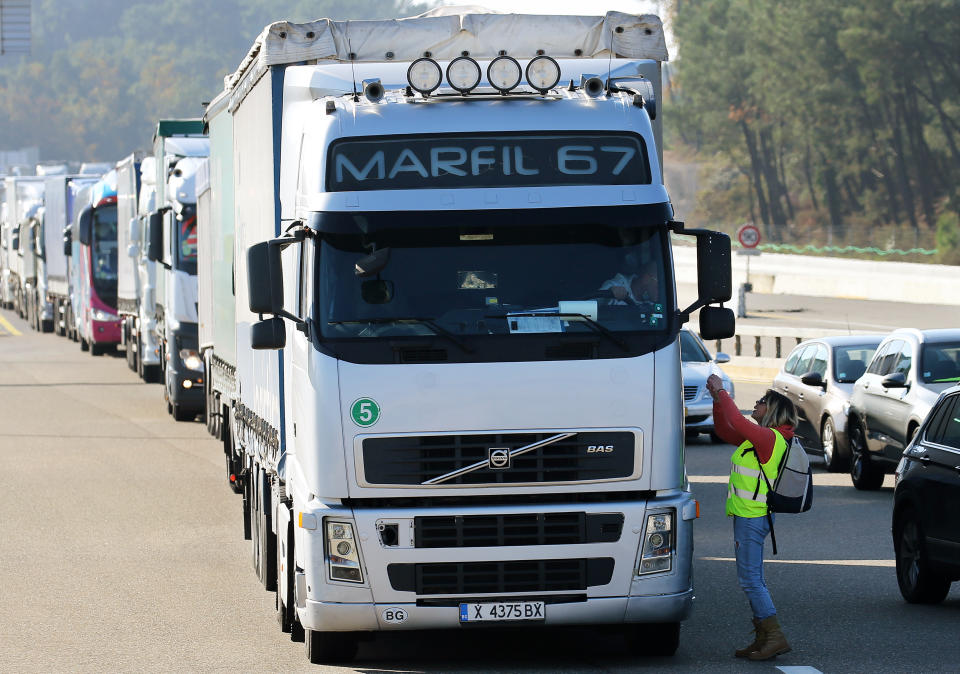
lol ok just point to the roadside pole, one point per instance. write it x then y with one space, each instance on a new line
749 238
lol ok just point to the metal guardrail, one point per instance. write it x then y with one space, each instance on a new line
773 339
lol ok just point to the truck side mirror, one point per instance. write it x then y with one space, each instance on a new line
86 226
268 334
717 323
67 241
714 278
265 278
133 231
155 237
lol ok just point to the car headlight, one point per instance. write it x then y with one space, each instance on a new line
191 359
343 559
658 544
100 315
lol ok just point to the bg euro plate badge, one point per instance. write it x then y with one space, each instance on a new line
502 611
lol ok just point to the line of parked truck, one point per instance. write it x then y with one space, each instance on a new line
417 277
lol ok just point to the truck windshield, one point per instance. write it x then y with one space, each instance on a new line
104 253
186 226
508 277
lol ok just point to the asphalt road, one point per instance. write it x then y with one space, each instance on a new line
122 551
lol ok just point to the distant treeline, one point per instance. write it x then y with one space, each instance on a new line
844 114
102 72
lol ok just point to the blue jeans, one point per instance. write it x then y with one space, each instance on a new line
749 533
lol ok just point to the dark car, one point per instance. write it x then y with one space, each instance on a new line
926 506
818 377
909 371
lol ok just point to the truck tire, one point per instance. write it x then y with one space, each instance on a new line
46 326
181 414
97 349
324 647
84 345
653 639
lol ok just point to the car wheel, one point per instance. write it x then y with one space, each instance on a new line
918 583
828 438
864 474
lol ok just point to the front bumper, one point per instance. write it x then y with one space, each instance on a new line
105 332
625 597
338 617
699 416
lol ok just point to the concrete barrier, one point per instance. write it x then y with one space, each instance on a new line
780 274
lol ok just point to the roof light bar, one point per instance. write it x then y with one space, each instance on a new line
543 73
463 74
504 73
424 75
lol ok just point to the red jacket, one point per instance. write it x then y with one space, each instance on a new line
734 428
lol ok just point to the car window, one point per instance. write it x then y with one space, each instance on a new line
934 428
793 359
890 356
819 362
803 365
877 363
948 432
940 362
903 362
850 362
690 349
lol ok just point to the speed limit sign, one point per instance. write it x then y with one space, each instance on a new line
748 236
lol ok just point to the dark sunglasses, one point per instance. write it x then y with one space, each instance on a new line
762 401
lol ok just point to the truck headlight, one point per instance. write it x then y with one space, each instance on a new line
343 559
100 315
191 359
657 548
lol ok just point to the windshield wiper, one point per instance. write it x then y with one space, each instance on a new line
429 322
597 327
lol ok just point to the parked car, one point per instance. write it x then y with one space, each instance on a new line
909 371
696 365
818 377
926 505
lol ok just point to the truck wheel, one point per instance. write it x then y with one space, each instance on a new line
84 345
46 326
865 475
653 638
325 647
96 349
919 584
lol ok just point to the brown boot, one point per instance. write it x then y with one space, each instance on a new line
773 644
757 642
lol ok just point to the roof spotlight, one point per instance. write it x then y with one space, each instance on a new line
463 74
424 75
543 73
504 73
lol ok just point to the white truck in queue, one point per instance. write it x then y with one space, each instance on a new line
136 274
458 397
179 147
59 198
23 197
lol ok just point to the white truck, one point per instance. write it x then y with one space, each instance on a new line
179 147
23 198
458 392
59 203
215 286
136 274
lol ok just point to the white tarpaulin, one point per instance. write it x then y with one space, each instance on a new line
448 32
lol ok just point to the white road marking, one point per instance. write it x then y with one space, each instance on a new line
787 669
879 563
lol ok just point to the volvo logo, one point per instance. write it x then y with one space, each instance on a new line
498 458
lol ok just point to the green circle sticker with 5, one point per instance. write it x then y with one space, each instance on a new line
365 412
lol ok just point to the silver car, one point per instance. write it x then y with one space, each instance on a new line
889 402
696 365
818 377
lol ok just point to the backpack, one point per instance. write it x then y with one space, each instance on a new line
792 490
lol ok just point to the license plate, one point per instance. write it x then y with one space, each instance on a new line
501 611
